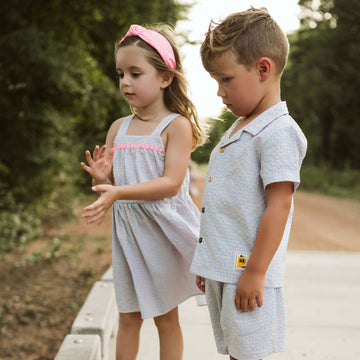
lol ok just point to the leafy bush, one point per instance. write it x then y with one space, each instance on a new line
342 183
18 224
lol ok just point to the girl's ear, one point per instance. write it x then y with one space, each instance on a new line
264 67
167 78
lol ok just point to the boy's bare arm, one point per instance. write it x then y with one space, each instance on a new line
250 287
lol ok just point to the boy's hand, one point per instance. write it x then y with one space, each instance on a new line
99 165
200 282
249 291
97 210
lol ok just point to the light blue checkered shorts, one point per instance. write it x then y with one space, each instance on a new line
246 335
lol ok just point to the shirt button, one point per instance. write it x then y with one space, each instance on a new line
222 149
202 209
210 179
200 240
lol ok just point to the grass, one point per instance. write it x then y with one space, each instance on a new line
338 183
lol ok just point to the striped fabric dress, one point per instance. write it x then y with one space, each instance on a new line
153 241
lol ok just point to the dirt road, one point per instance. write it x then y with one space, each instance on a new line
325 223
320 222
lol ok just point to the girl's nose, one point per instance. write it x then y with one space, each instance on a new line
125 81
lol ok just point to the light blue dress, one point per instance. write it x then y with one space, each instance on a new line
153 240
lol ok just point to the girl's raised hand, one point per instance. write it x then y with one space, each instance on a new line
99 165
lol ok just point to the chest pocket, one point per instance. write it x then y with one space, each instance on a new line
238 154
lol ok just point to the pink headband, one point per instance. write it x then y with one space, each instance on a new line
156 40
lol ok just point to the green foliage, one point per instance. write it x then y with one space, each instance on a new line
217 127
321 82
18 224
341 183
52 252
51 102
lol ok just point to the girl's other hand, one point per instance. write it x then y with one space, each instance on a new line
100 165
200 282
97 210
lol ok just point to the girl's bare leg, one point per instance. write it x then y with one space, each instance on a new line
127 343
171 341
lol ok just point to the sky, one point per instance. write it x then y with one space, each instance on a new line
203 88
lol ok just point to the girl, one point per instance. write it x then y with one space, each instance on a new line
142 172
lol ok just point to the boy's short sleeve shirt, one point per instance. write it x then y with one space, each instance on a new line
269 149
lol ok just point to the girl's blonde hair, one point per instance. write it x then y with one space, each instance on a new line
176 94
250 35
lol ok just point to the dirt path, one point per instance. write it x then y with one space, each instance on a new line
320 222
325 223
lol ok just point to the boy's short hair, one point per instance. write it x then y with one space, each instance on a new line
250 35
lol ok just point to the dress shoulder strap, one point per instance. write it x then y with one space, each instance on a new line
125 125
164 123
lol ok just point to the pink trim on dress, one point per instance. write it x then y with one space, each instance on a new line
139 146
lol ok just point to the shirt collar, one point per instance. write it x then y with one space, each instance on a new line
259 123
264 119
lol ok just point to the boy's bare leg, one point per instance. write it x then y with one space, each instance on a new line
171 341
127 342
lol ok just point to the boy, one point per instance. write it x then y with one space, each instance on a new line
248 197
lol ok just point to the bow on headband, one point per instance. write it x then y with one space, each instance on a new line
156 40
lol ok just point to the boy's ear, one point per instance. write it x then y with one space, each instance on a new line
167 78
264 67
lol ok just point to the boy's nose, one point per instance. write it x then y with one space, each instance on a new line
220 92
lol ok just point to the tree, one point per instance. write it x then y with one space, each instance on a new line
48 99
321 82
